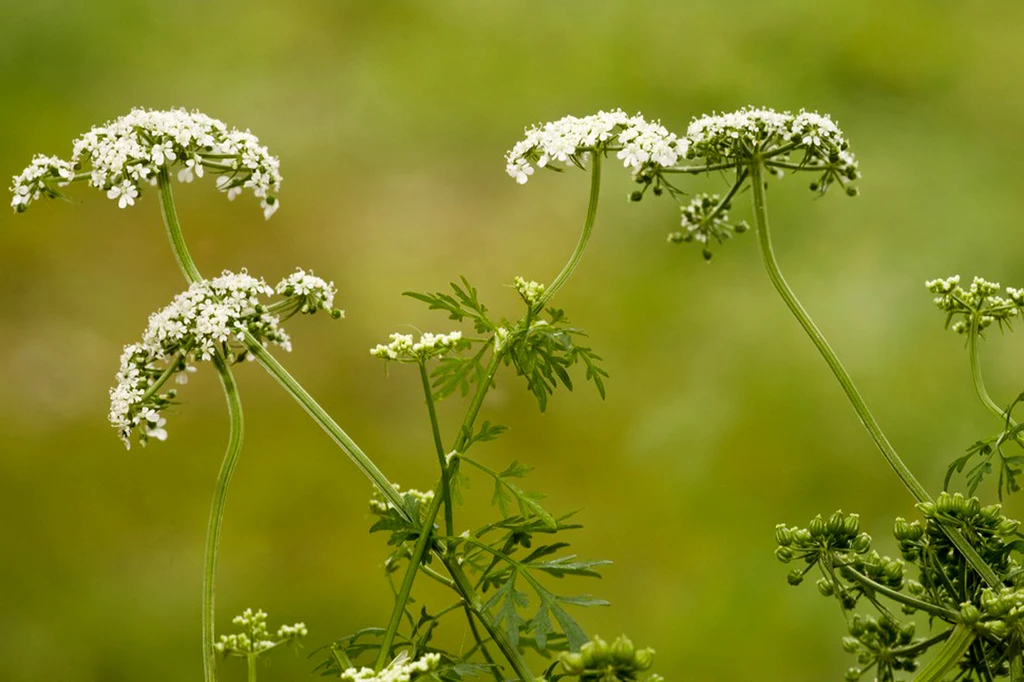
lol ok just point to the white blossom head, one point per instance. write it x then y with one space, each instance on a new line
807 141
637 142
401 669
255 638
211 318
124 155
406 348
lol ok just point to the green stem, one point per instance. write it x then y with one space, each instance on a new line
251 664
588 226
474 603
466 431
324 420
227 468
181 254
868 583
402 597
949 655
973 335
435 429
859 406
338 435
480 643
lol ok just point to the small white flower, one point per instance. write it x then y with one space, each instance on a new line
125 194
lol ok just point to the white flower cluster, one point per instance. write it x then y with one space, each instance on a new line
706 218
379 504
256 639
122 154
737 135
404 348
35 181
211 317
640 143
981 304
312 292
529 290
397 671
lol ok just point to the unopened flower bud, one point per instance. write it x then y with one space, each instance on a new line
572 663
783 535
623 650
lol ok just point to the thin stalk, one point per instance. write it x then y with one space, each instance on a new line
435 429
466 432
405 589
945 614
771 265
342 439
949 655
481 645
170 214
973 335
588 226
473 601
251 664
324 420
220 494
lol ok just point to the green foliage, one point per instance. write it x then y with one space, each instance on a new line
1010 466
543 351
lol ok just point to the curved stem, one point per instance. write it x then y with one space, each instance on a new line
779 282
435 429
170 214
843 377
227 468
866 582
588 226
342 439
973 335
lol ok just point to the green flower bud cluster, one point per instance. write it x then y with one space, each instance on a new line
600 662
1004 611
528 290
992 534
884 643
706 217
848 564
255 638
981 304
840 533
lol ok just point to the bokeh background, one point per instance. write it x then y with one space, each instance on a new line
391 120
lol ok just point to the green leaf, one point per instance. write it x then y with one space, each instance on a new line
505 492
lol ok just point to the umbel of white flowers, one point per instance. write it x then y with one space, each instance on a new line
256 638
210 318
399 670
646 146
404 348
639 142
123 155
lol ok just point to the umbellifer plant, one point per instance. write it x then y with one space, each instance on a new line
966 556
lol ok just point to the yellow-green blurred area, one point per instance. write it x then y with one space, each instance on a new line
391 121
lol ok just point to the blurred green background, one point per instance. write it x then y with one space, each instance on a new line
391 120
